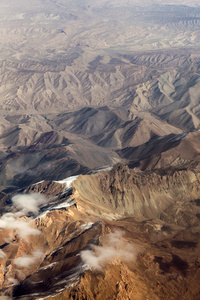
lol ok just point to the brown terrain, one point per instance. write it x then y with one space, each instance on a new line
100 150
152 218
96 89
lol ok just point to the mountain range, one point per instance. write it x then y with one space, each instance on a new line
99 150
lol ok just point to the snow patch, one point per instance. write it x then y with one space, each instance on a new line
49 266
101 169
86 226
68 181
69 202
37 183
64 204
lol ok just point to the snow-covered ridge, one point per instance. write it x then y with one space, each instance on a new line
67 181
68 200
101 169
59 205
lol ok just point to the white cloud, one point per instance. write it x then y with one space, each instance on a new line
12 280
24 204
28 203
10 221
2 254
9 238
27 260
20 275
114 247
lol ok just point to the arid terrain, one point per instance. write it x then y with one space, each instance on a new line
99 149
90 78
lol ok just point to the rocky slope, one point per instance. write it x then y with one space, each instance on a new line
128 228
93 80
99 150
168 151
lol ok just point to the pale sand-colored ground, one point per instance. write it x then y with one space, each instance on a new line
139 60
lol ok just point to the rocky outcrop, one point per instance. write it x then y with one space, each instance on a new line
126 192
117 234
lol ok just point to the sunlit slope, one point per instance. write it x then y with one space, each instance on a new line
58 55
135 229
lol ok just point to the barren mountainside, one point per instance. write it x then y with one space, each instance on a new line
95 79
130 228
99 150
